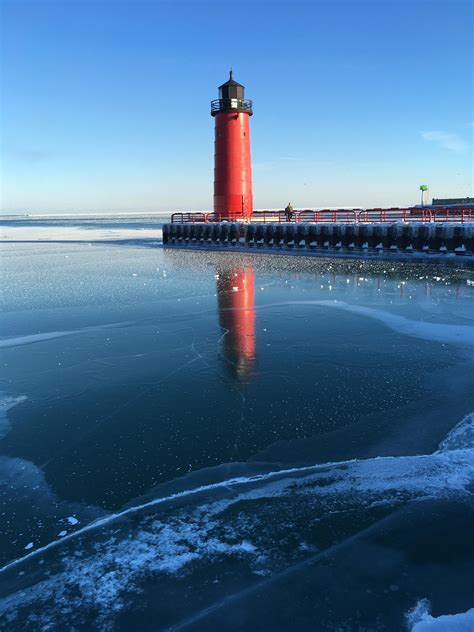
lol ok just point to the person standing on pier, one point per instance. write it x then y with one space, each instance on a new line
289 212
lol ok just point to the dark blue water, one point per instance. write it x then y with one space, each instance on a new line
257 438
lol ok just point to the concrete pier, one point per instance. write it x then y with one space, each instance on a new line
395 239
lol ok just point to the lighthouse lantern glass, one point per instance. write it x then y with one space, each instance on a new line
231 90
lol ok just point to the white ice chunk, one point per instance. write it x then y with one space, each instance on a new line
461 436
419 619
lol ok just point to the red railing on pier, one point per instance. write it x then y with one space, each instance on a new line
383 215
188 218
460 214
345 216
454 214
268 216
307 216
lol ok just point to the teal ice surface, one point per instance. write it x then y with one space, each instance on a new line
124 369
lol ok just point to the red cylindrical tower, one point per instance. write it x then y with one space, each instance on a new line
232 166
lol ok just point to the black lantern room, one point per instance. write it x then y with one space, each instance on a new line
231 98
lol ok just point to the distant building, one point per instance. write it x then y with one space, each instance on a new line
449 201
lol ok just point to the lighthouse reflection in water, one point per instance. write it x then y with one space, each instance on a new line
236 302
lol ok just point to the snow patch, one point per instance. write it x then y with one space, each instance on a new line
419 619
461 436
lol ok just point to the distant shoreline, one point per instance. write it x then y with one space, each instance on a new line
74 215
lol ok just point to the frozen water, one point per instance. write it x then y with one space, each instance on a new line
51 335
207 529
453 334
180 454
7 402
77 228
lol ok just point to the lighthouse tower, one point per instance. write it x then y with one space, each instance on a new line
232 166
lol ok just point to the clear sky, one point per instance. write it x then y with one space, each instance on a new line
105 104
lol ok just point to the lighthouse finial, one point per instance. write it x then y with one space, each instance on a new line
231 74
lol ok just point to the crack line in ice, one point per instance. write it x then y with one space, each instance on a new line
111 415
52 335
158 501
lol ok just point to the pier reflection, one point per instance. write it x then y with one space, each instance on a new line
236 304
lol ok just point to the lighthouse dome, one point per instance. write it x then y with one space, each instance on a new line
231 89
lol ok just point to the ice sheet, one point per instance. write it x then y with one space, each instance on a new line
77 234
107 561
111 409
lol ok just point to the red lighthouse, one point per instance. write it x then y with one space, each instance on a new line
232 166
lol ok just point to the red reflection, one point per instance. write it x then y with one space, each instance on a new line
236 302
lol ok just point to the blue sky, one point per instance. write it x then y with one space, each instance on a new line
105 105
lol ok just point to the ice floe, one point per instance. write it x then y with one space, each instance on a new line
461 436
419 619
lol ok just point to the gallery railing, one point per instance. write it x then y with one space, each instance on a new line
228 105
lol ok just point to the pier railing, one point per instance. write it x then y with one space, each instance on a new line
383 215
189 218
453 214
458 214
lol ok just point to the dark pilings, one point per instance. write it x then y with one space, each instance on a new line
359 239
